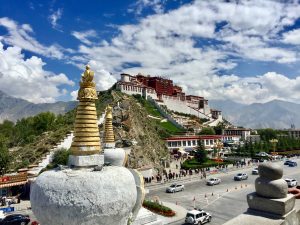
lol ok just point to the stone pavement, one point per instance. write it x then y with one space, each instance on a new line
180 213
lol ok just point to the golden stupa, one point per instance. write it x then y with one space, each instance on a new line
109 137
86 139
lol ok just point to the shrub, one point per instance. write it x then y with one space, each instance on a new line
61 157
158 208
194 164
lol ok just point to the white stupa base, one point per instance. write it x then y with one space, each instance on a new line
110 145
86 160
115 156
84 197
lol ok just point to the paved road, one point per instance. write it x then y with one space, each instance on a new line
222 205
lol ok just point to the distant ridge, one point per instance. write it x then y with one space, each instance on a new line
275 114
12 108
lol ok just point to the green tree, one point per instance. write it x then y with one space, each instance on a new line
207 131
43 122
201 153
4 155
267 134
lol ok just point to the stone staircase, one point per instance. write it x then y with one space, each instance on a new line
146 217
65 143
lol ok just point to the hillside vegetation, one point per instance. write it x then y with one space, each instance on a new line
29 139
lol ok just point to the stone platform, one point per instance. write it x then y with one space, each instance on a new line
86 160
277 206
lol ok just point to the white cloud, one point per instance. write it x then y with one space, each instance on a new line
103 79
74 95
171 44
26 78
54 17
139 6
292 37
261 89
84 36
20 35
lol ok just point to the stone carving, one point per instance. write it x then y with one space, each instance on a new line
271 191
270 183
87 93
87 76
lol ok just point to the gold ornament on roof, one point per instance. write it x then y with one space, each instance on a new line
86 139
87 85
109 130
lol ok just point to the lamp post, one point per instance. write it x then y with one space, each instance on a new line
274 143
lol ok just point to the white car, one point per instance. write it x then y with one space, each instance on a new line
255 171
291 182
241 176
197 217
174 188
213 181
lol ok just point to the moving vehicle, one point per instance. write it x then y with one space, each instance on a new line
174 188
255 171
287 162
292 164
213 181
291 182
197 217
15 219
241 176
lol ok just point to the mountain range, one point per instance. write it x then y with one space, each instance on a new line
276 114
12 108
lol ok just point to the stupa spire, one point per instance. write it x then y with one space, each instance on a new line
86 139
109 138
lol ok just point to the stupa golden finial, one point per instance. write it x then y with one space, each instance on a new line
109 138
86 133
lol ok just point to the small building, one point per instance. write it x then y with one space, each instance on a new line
253 138
243 133
193 141
10 184
294 133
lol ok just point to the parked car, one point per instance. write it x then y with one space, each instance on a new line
197 217
291 182
174 188
213 181
262 154
15 219
241 176
292 164
255 171
287 162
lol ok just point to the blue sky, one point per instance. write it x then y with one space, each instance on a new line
245 51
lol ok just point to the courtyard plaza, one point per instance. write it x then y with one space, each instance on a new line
223 201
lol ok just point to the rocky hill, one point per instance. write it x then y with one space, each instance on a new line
134 128
15 108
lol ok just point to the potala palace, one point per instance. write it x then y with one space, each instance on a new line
168 96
